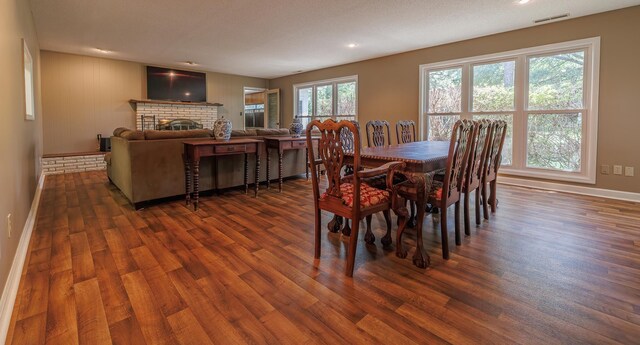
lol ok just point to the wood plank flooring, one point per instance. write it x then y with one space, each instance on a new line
548 268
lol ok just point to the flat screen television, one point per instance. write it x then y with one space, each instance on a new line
168 84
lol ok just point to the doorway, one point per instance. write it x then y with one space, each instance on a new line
261 108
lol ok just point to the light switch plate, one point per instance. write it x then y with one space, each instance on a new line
628 171
604 170
617 169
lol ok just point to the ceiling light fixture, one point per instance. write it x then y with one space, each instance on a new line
191 63
104 51
352 45
522 2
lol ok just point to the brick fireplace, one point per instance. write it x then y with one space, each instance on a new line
201 112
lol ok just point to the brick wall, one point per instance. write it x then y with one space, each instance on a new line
61 165
206 115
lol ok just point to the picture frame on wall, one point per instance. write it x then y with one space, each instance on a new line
29 94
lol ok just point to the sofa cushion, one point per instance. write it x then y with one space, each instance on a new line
192 133
119 130
132 135
107 158
270 132
244 133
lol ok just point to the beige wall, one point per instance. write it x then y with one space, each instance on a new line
20 140
388 86
84 96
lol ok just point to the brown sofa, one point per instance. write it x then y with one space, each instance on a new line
148 165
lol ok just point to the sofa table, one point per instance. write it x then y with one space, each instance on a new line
283 144
196 149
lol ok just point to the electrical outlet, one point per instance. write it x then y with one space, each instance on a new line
628 171
9 225
617 169
604 170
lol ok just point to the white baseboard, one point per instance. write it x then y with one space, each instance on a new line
10 291
573 189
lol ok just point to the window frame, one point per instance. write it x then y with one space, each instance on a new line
591 47
314 85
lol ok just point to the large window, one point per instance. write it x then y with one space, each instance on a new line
547 95
335 98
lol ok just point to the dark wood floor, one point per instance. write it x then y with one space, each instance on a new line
548 268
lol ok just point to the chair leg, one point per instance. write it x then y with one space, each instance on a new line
412 219
386 240
485 204
335 223
478 205
493 196
368 236
467 217
353 245
317 234
346 230
445 234
457 224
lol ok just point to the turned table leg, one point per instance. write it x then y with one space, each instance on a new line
196 183
268 169
306 156
187 179
246 173
280 170
257 171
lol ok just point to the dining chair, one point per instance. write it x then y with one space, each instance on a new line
376 130
405 131
446 193
473 179
347 140
349 196
498 133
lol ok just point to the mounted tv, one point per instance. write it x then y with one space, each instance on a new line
168 84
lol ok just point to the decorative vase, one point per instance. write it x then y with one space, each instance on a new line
296 127
222 129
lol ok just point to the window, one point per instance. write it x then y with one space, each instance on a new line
547 95
335 98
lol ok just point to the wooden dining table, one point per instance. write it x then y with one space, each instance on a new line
421 158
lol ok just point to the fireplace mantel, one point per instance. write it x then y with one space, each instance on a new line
134 103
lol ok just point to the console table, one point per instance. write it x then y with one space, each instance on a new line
196 149
283 144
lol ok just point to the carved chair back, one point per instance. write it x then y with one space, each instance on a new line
498 132
346 136
479 150
376 131
406 132
459 150
331 153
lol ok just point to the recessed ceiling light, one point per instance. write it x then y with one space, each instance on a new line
352 45
191 63
104 51
522 2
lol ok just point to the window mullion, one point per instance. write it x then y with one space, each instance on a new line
314 95
466 93
520 116
334 99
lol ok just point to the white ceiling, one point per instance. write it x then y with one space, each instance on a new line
272 38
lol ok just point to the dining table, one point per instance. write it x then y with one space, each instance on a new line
420 158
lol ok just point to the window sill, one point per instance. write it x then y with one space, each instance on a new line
549 175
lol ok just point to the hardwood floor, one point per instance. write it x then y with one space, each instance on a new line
548 268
